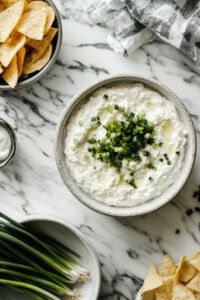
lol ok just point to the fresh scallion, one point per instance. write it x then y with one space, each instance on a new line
37 265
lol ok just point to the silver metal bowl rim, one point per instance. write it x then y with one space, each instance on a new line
75 231
74 188
40 74
13 143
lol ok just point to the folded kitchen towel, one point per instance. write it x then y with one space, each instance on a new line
135 22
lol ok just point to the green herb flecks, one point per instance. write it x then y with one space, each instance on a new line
95 122
132 183
146 153
167 159
119 108
151 166
156 146
124 139
80 123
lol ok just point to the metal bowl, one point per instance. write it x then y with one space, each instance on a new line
56 47
145 207
13 143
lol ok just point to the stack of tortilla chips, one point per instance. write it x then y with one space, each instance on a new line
173 282
26 33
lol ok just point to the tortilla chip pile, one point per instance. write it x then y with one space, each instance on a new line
26 33
174 282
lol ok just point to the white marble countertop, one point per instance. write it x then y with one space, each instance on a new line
32 185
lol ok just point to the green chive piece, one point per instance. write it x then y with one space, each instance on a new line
167 159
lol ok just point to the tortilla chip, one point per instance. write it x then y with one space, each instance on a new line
167 267
41 46
10 75
32 23
194 284
195 260
20 60
165 291
181 292
50 19
2 7
37 4
30 66
182 261
1 68
50 13
152 281
197 296
45 41
148 296
186 271
9 19
9 49
8 3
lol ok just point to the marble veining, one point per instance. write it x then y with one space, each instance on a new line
32 185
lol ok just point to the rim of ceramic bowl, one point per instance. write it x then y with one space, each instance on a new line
40 74
13 143
75 231
145 207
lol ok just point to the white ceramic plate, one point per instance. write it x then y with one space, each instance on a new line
145 207
68 235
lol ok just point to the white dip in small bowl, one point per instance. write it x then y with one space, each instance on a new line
5 143
141 177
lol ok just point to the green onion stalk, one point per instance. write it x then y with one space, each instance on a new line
37 265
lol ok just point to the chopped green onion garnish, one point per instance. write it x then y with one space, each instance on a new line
167 159
146 153
124 139
132 183
151 166
155 146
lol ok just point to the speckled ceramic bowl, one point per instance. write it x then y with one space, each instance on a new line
57 41
68 235
148 206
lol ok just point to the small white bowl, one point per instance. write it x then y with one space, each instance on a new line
69 236
145 207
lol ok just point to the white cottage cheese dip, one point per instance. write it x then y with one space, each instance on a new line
5 143
107 184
